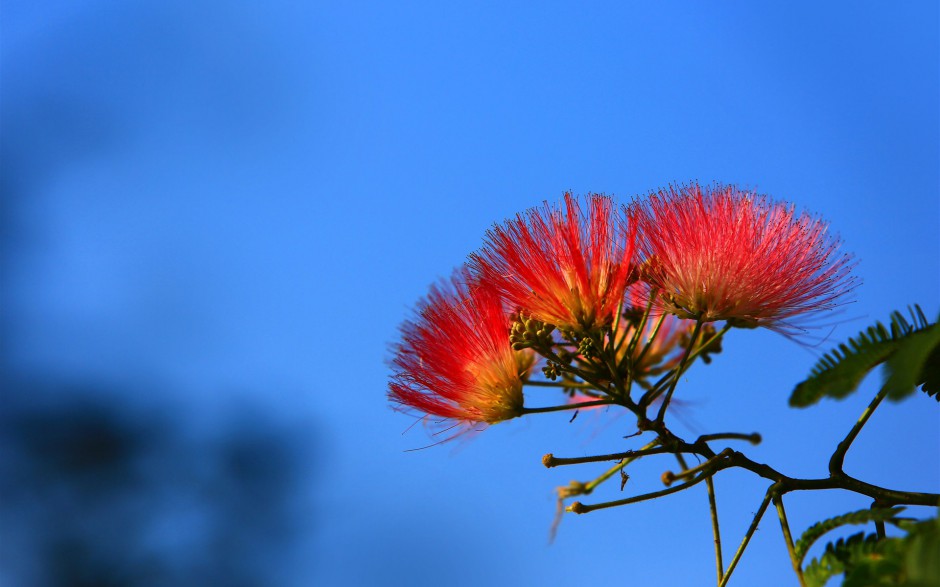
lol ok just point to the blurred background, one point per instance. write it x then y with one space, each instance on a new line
215 215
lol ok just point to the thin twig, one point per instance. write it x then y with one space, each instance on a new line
747 538
551 460
687 472
559 384
754 438
657 388
572 406
788 538
716 531
577 488
838 457
649 339
685 357
580 508
589 487
638 334
608 355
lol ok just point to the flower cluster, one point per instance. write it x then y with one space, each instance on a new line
725 254
564 267
455 361
611 295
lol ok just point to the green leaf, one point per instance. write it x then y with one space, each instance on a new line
913 363
816 531
921 562
869 561
931 375
840 556
839 372
878 569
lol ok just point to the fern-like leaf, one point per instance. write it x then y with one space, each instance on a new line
931 374
816 531
839 372
870 561
840 556
914 364
921 546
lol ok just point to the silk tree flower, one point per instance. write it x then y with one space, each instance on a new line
562 265
720 253
454 361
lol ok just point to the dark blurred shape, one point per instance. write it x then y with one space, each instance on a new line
97 490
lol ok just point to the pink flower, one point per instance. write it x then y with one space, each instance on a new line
719 253
561 266
455 360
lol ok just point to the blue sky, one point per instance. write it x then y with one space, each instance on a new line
238 204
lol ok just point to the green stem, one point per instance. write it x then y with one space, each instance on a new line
682 463
838 457
685 357
610 360
600 402
747 538
638 333
559 384
616 325
548 354
716 531
704 466
589 487
580 508
649 341
788 538
657 388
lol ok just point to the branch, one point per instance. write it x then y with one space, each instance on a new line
551 460
675 380
788 538
754 438
838 457
579 508
716 531
574 406
747 537
559 384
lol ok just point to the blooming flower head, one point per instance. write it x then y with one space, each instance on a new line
563 266
455 361
720 253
